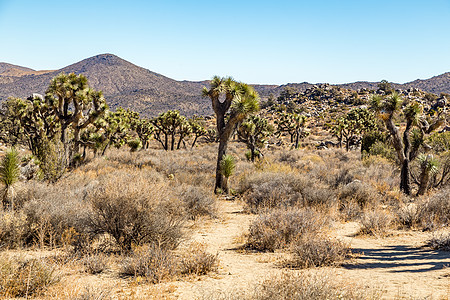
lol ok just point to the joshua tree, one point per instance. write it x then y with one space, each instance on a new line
75 105
353 125
198 129
167 126
9 175
232 102
227 167
254 132
407 147
294 125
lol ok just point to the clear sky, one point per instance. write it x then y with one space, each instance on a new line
254 41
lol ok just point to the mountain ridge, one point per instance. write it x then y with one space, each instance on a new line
131 86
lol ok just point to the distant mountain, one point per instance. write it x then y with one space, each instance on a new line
130 86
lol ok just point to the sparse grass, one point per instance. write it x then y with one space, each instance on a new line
440 241
196 260
376 223
95 263
21 277
311 285
152 263
279 228
317 251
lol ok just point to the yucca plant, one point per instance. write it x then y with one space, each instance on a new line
9 175
227 167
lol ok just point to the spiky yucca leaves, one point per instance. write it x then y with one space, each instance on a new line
227 168
239 100
429 165
9 175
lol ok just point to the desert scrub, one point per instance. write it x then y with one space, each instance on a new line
376 222
197 201
14 230
317 251
309 285
25 278
265 190
135 214
435 212
95 263
440 241
196 260
279 228
152 263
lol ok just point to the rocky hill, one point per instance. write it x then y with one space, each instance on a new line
130 86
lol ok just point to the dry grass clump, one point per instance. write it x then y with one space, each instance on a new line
317 251
436 211
95 263
309 285
197 201
376 222
279 228
152 263
440 241
196 260
13 229
20 277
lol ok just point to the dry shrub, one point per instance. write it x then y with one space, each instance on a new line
317 251
197 201
150 262
135 210
310 285
436 211
95 263
279 228
354 197
440 241
264 190
14 230
24 278
409 216
376 223
196 260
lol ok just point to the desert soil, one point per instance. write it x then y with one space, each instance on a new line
399 265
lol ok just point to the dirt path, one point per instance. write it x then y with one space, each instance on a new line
238 270
398 264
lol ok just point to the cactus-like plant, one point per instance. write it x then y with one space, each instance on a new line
9 175
227 168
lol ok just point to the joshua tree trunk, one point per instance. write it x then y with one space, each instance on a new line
405 185
220 182
424 177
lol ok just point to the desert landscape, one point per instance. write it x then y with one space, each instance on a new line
215 150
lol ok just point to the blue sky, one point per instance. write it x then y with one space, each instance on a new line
254 41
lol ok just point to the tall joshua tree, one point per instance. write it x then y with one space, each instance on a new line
232 102
407 147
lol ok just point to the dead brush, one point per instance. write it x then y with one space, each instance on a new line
277 229
197 261
376 222
440 241
152 263
317 251
95 263
21 277
311 285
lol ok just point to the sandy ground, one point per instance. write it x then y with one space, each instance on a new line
399 264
